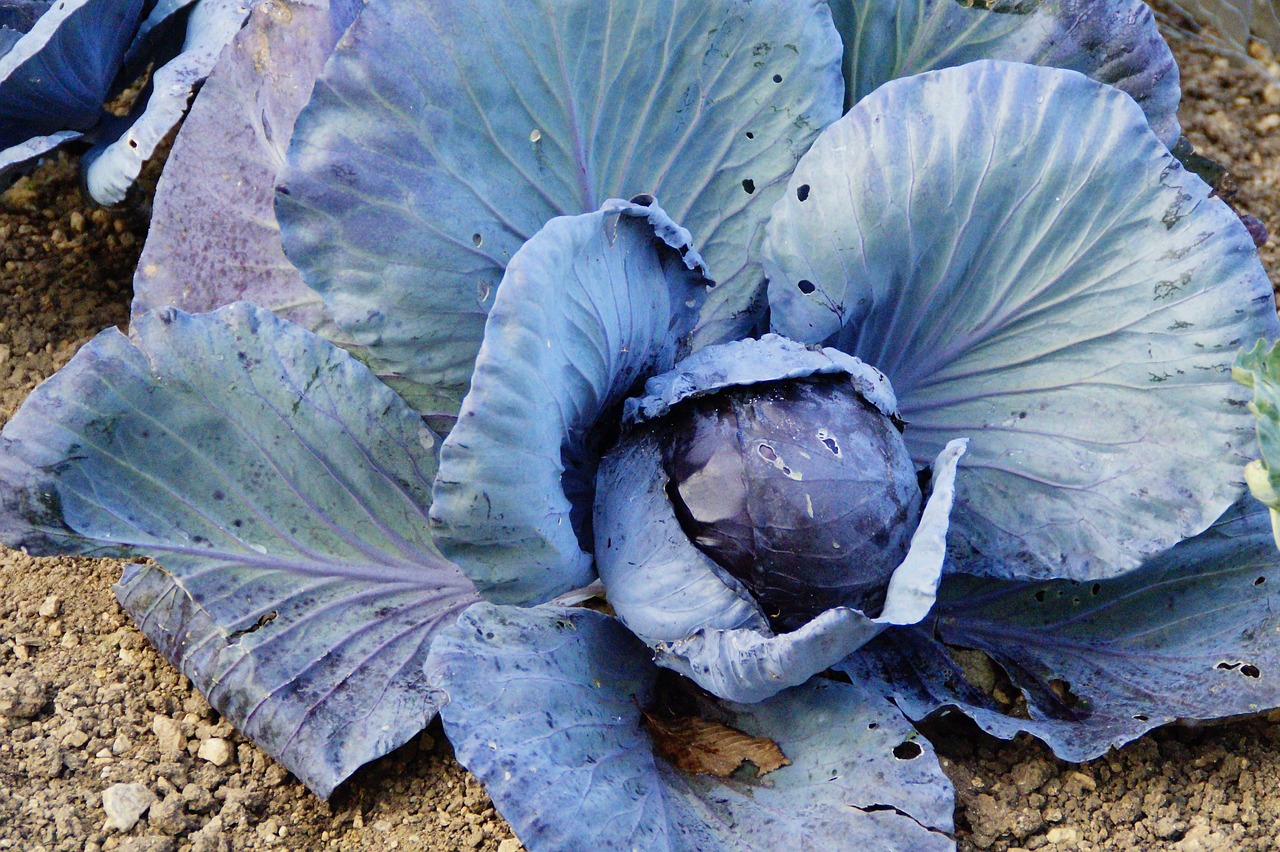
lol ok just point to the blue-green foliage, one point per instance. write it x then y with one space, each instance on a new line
1010 248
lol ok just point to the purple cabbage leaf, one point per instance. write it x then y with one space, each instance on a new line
434 159
545 705
1190 635
1083 298
56 74
282 491
214 238
1112 41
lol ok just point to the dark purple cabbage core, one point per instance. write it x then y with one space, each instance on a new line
801 490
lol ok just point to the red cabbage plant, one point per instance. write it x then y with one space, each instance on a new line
851 381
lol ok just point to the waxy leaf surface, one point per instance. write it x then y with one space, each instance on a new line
282 490
56 77
1189 635
545 707
422 165
1069 302
114 165
214 237
588 308
1113 41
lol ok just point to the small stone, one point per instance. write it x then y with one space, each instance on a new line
120 745
1083 781
150 843
1169 828
21 695
75 739
125 804
1028 777
170 816
51 607
1026 822
76 220
1267 123
513 845
209 841
45 762
1062 835
216 750
198 799
172 741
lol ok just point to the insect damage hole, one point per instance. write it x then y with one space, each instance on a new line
907 750
1247 669
749 186
802 192
262 622
777 78
805 286
477 240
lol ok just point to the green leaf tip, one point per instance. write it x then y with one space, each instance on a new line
1259 368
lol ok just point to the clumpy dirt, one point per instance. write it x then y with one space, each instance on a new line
91 717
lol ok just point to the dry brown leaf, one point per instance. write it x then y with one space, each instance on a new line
703 747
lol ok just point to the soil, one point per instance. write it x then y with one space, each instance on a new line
85 703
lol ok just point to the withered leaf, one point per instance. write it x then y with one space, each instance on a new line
703 747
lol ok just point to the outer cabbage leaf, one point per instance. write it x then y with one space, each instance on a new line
588 308
1113 41
114 166
56 77
545 707
1072 310
214 238
1233 22
15 158
282 489
19 16
421 165
1189 635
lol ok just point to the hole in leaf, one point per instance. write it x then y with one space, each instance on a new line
749 185
1062 689
1041 595
133 144
1260 581
802 192
477 240
262 622
907 751
777 78
871 726
1097 589
767 453
1250 671
750 135
806 286
1141 717
644 199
